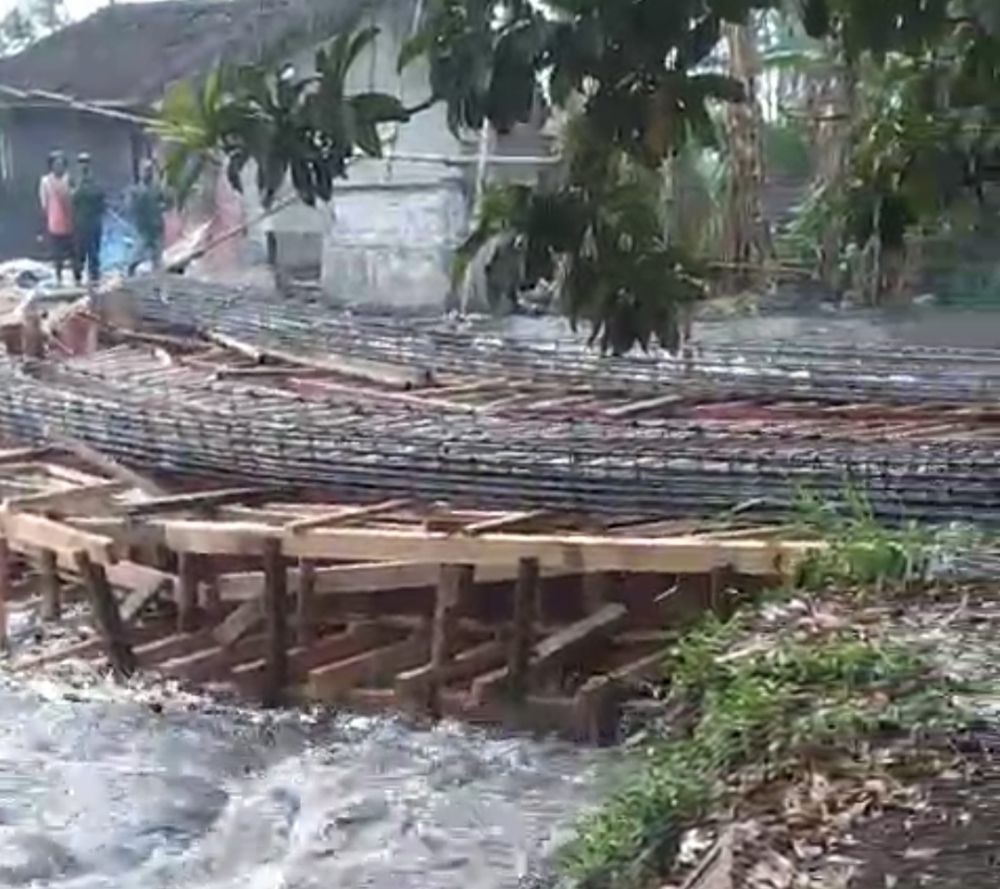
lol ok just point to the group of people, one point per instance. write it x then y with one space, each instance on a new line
74 206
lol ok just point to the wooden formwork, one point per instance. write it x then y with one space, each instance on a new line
518 618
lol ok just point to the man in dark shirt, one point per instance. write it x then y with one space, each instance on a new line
147 203
88 216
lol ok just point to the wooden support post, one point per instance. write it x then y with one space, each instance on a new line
4 590
187 592
521 637
275 603
51 590
106 616
454 586
306 603
596 711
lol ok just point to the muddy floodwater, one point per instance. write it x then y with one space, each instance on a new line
98 790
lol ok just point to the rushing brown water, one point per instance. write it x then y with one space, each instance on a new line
98 790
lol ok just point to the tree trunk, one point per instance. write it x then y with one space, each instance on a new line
746 236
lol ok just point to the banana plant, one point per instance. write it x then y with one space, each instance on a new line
302 129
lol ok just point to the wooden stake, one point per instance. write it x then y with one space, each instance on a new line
275 602
187 593
4 590
521 639
106 616
51 590
454 584
306 603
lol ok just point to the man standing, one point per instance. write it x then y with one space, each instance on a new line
88 216
56 198
147 203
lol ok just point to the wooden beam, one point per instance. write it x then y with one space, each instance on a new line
239 622
112 467
50 585
23 455
144 585
332 682
107 617
24 529
505 522
577 553
89 498
275 605
356 639
453 592
202 500
412 685
560 648
366 577
345 515
525 608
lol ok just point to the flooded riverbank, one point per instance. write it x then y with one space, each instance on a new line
100 791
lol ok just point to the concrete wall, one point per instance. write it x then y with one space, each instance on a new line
387 239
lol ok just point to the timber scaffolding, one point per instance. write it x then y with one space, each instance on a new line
211 384
535 619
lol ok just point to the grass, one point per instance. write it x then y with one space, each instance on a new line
765 705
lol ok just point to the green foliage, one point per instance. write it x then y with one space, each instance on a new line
860 551
758 708
304 129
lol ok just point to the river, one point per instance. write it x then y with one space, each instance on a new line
98 790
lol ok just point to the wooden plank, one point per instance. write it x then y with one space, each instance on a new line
144 585
214 662
239 622
107 617
275 605
23 455
356 639
202 500
344 515
560 648
170 647
370 577
643 669
331 682
357 368
24 529
112 467
453 590
412 685
521 638
578 553
50 586
89 498
506 522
